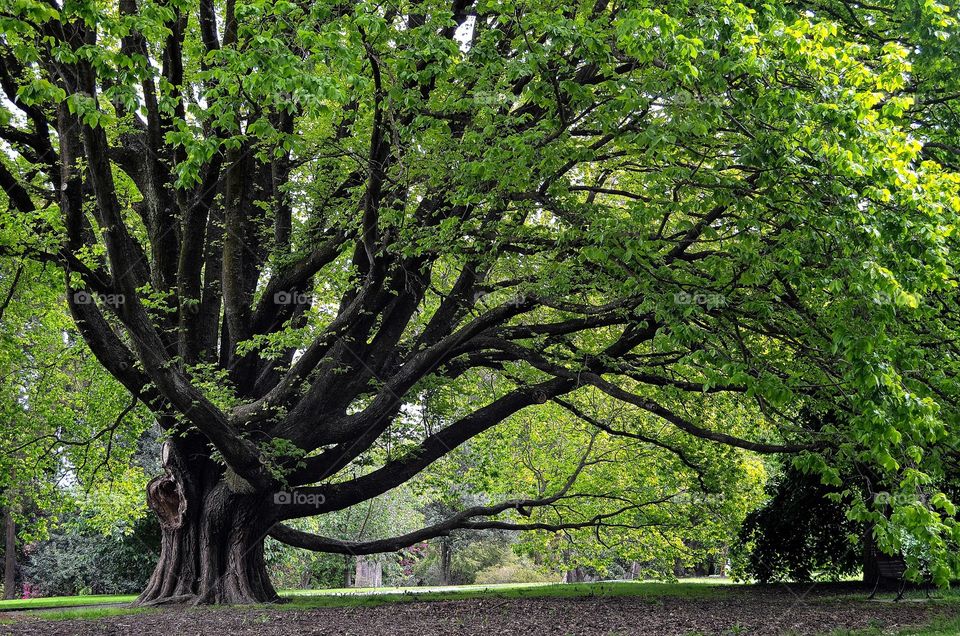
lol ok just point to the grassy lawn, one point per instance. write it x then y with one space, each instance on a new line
940 627
353 591
371 597
346 598
63 601
90 613
353 597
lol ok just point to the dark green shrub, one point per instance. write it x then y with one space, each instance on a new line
798 534
77 560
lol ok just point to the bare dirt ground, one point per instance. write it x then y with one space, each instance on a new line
772 611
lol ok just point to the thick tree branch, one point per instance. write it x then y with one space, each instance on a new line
688 427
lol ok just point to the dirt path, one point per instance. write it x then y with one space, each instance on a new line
769 612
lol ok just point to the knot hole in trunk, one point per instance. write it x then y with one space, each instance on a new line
165 498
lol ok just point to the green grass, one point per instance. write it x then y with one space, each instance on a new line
939 627
346 591
950 596
529 590
92 613
354 597
63 601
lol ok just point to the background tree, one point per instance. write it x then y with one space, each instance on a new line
284 227
77 557
68 429
457 558
397 511
799 534
686 496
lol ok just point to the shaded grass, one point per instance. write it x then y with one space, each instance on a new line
933 596
939 627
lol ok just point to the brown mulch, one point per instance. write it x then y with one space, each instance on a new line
771 611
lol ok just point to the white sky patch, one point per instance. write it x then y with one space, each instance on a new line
464 33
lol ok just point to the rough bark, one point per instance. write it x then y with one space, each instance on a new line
213 530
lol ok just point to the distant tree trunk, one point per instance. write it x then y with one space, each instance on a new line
721 561
305 577
679 570
870 570
212 534
10 555
347 572
576 575
446 562
369 573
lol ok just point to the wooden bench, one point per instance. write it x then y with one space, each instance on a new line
890 568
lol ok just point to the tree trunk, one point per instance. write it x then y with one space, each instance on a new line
213 529
446 562
347 572
870 569
305 577
369 573
10 555
576 575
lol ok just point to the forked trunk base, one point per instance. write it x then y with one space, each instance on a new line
212 546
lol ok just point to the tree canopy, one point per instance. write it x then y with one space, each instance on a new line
312 236
68 430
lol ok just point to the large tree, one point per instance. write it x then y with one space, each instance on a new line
287 226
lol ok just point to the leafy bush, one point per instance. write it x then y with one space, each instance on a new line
520 571
798 534
468 556
78 560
